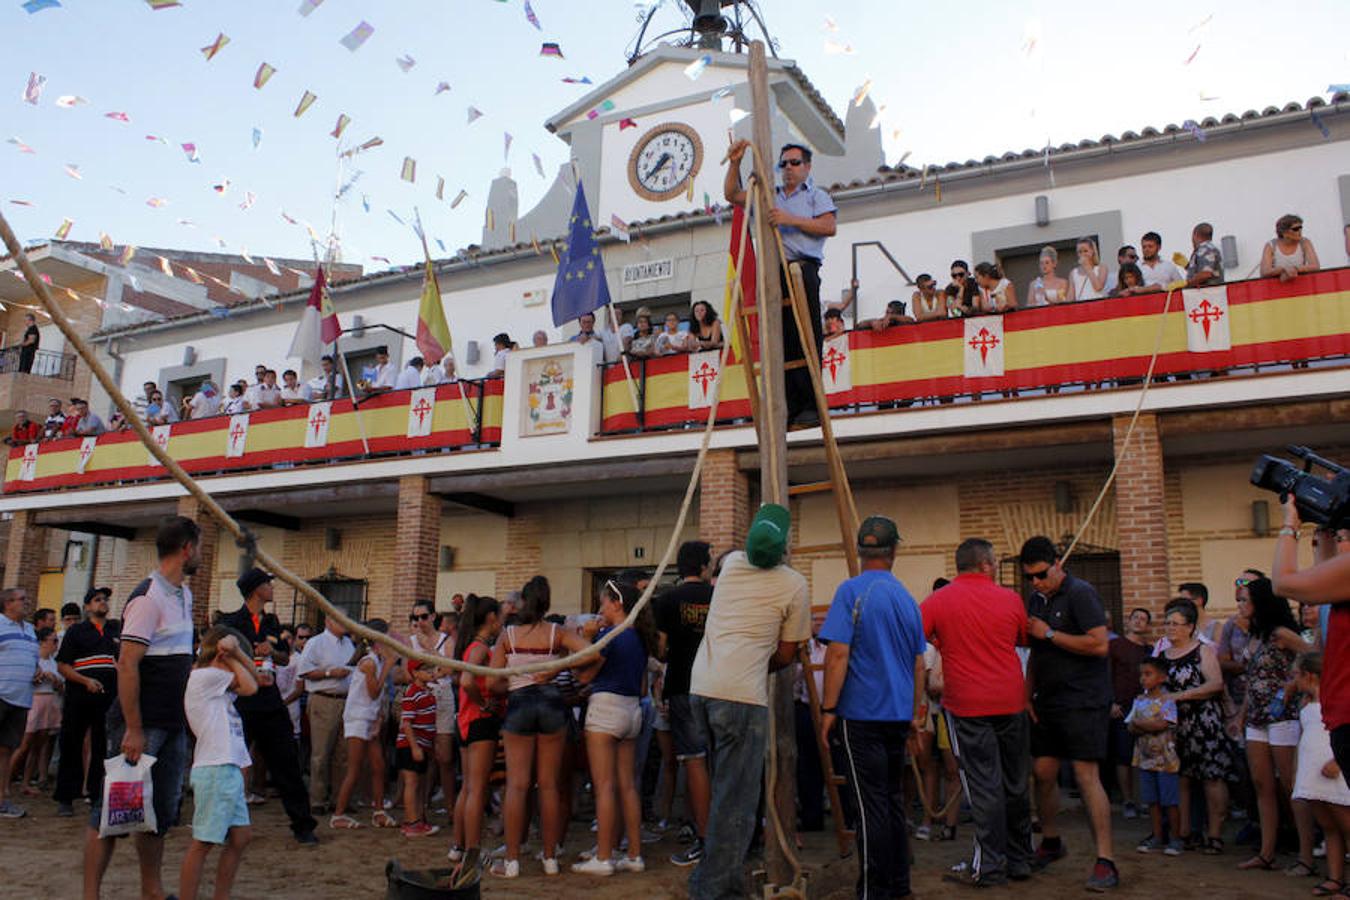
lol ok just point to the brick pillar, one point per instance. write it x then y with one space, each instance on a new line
26 554
524 552
1141 518
723 502
417 543
203 583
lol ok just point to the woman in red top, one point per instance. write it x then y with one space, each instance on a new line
479 721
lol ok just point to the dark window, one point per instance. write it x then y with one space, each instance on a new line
1097 566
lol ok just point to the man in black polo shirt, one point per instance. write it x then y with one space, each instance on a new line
267 724
680 613
1070 691
88 661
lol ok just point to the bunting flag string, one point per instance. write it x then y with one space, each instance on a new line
211 49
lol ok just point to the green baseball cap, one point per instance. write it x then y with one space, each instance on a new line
768 538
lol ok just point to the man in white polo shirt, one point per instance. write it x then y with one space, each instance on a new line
152 672
325 667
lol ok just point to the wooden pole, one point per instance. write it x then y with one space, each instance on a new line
781 776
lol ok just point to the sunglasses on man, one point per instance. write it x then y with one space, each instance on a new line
784 163
420 617
1042 575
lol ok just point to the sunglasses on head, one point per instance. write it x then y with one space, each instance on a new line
1243 582
784 163
1038 576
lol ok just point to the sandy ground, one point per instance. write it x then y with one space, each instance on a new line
40 858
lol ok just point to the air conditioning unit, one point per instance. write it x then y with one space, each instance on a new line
189 356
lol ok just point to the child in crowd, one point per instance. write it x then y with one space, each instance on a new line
1319 779
1153 720
416 737
44 717
362 727
479 722
224 670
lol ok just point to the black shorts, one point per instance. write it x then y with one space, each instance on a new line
488 728
13 721
686 730
404 762
1077 734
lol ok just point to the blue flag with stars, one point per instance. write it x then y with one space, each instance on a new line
581 286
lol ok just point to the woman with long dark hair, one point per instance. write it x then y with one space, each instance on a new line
704 325
1271 718
535 725
613 723
1208 757
479 723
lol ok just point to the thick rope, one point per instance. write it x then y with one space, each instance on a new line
245 538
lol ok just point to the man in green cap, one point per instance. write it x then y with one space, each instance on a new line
759 613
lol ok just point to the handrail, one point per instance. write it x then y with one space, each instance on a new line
45 364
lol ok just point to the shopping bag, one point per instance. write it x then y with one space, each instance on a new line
128 797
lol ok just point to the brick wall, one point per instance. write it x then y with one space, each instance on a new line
524 557
1141 517
365 552
26 553
417 541
203 583
723 502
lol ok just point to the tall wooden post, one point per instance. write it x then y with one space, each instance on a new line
772 450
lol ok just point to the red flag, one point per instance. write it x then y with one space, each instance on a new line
318 324
747 302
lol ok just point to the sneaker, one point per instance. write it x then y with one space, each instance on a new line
1044 855
923 833
1104 876
588 854
454 854
602 867
1131 811
550 865
253 799
65 811
965 876
419 829
630 864
1175 847
307 839
689 855
9 810
506 868
1150 844
687 834
648 836
1319 852
438 796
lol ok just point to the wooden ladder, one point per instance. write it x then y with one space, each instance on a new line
835 483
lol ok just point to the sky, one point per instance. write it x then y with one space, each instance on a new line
955 81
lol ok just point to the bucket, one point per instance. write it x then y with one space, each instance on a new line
424 884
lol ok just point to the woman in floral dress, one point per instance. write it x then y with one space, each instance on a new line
1208 756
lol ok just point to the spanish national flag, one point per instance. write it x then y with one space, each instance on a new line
747 287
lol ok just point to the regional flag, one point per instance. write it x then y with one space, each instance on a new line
318 323
581 286
433 333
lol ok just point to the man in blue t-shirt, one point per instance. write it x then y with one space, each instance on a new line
875 683
18 662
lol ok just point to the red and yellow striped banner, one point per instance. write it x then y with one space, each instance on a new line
1269 321
273 436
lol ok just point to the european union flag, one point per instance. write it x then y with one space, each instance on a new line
580 286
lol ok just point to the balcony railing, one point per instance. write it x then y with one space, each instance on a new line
1229 330
467 414
45 364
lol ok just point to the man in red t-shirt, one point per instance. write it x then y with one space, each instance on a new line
24 431
977 626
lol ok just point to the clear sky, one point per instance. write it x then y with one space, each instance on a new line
958 80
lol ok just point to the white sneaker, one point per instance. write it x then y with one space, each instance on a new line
455 854
594 867
506 868
630 864
588 854
551 866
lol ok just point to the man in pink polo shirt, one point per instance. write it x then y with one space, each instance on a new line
977 626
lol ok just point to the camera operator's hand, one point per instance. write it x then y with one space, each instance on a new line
1291 518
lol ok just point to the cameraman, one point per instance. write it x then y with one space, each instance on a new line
1327 581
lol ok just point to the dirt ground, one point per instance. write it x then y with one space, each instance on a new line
40 858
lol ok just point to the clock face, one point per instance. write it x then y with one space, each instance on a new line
664 161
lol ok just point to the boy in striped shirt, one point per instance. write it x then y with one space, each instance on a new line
416 736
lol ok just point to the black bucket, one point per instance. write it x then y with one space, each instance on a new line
424 884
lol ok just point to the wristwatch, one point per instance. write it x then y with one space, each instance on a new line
1049 633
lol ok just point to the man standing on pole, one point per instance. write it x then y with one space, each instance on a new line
874 688
758 615
267 723
977 626
805 216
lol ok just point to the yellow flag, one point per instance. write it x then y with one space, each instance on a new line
433 333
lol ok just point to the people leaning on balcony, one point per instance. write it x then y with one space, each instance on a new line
703 324
1158 270
672 340
993 293
927 303
1087 281
206 401
1289 254
157 412
1206 263
501 345
1047 288
234 403
24 430
54 425
895 315
1131 282
328 384
292 392
265 394
411 376
81 422
442 372
643 344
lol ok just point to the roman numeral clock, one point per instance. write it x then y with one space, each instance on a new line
664 161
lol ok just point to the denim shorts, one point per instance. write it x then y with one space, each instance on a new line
1162 788
217 802
686 730
535 709
169 747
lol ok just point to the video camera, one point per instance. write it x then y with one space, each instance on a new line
1322 501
